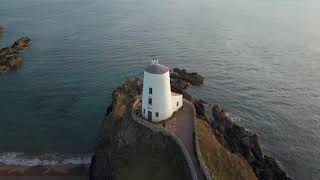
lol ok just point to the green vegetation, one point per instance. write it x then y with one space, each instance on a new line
221 163
134 151
148 163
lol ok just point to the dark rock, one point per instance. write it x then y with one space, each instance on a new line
238 140
193 78
101 166
200 109
9 56
21 43
178 85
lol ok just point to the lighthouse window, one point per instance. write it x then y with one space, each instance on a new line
178 103
150 90
150 101
144 111
157 114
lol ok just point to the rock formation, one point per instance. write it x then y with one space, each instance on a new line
238 140
180 79
9 56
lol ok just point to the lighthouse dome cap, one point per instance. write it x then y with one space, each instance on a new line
156 69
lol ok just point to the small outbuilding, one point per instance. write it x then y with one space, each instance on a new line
158 102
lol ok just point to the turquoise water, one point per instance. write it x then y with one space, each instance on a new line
260 60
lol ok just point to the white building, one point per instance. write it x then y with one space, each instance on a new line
158 102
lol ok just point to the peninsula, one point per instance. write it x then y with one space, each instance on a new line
197 141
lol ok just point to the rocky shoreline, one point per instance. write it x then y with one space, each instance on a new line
232 136
238 140
10 56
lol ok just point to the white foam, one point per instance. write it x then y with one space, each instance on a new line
18 158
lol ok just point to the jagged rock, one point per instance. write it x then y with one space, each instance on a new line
200 109
9 56
21 43
193 78
178 85
238 140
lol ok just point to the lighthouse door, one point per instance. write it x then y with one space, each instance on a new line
149 116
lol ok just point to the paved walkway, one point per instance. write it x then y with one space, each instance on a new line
182 125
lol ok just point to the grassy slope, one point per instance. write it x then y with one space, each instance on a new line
221 162
143 159
149 165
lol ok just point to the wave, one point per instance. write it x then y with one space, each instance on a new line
19 158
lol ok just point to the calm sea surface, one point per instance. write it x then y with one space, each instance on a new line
260 58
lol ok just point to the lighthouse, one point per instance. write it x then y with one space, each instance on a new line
158 102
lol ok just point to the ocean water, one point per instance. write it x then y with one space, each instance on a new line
260 59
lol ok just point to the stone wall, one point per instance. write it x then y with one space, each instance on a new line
203 166
166 133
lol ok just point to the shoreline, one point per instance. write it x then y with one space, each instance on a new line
14 165
24 159
44 170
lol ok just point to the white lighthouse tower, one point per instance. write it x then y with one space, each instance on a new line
158 102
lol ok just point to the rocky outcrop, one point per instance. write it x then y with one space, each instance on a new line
180 79
9 56
240 141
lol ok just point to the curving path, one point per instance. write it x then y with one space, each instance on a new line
182 125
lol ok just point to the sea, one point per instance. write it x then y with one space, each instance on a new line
260 60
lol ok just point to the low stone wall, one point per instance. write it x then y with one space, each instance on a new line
203 166
166 133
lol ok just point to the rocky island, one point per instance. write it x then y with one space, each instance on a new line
9 56
127 149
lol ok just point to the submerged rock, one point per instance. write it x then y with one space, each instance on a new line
9 56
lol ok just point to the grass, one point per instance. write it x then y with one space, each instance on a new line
149 164
142 155
222 164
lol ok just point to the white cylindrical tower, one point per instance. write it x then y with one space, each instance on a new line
156 96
